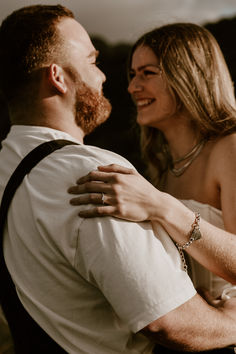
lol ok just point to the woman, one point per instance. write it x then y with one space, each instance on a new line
186 108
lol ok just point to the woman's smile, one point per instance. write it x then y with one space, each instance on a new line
143 103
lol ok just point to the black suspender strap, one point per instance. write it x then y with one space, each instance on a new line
28 336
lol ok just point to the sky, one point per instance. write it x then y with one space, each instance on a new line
125 20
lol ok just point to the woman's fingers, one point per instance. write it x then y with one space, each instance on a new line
89 187
127 192
97 212
93 198
208 297
117 169
96 176
104 174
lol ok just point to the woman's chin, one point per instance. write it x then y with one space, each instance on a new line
143 122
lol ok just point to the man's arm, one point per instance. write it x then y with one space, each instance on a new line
147 289
196 326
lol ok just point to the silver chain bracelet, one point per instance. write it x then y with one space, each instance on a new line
195 235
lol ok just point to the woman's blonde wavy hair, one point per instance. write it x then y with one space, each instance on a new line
196 72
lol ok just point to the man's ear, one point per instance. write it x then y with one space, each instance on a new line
57 78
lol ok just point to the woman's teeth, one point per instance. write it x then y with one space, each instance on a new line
144 102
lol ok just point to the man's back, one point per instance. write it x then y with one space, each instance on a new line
80 279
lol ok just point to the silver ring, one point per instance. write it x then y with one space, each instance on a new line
103 197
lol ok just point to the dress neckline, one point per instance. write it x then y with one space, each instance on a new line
202 205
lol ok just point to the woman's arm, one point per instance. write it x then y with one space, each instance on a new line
129 196
216 250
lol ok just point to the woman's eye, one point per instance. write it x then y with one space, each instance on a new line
148 72
131 75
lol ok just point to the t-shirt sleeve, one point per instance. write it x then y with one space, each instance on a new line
141 279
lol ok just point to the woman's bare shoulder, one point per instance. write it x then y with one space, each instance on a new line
224 147
222 159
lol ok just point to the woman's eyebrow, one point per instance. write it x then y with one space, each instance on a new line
144 66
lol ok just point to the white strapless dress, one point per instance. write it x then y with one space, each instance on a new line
200 276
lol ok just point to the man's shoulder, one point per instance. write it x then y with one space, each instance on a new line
74 161
91 155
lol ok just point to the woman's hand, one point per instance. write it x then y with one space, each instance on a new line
117 191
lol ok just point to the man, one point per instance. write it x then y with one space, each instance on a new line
99 285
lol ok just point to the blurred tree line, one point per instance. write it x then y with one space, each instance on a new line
120 133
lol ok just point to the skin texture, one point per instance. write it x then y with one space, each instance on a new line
56 101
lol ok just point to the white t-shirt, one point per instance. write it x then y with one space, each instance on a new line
91 284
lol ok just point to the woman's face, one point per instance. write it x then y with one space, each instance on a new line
149 89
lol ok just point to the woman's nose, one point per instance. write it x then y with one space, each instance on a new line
134 86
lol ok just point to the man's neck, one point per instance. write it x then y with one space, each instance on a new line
58 123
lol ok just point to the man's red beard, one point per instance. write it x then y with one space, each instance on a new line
91 108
